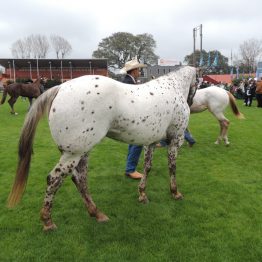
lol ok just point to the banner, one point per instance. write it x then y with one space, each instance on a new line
167 62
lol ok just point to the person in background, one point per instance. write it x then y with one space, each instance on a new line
250 92
259 93
132 72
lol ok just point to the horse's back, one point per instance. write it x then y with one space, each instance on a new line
26 90
213 98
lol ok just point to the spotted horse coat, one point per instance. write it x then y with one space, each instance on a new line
84 110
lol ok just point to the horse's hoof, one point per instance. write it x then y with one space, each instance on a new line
178 196
101 218
49 227
227 144
216 143
143 199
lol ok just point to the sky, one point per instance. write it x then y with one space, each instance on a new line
84 23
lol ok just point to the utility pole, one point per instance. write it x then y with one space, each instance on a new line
200 28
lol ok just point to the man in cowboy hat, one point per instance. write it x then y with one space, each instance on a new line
132 71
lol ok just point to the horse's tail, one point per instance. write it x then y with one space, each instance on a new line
25 148
4 96
234 106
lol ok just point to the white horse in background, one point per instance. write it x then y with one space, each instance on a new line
216 99
82 111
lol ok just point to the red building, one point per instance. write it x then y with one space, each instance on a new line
62 69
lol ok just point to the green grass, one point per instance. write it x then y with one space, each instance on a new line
220 218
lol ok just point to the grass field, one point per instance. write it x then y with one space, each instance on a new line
220 218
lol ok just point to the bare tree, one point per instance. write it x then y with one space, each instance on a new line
249 51
36 46
18 49
61 46
39 46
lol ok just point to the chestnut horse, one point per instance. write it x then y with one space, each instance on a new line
31 90
84 110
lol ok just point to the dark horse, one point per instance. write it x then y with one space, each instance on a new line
31 90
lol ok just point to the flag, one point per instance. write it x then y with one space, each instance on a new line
215 63
201 62
208 60
232 72
237 70
257 74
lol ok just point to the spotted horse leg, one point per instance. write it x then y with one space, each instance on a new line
79 178
65 166
172 154
147 167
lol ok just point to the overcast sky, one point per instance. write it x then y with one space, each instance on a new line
84 23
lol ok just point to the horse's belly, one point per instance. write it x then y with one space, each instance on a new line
77 124
139 132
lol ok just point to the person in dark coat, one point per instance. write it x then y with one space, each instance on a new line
132 70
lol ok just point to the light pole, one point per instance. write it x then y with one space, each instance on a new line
10 72
90 68
62 77
50 69
194 42
70 64
30 69
14 69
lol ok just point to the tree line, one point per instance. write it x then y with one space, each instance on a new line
38 46
120 47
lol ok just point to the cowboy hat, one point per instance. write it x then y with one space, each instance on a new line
130 65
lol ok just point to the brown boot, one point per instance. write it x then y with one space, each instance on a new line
135 175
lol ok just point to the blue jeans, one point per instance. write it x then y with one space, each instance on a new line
133 155
189 138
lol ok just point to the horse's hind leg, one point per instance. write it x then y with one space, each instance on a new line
219 138
11 102
54 181
79 178
225 124
172 154
147 167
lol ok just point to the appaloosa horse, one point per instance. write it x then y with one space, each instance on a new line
84 110
216 99
31 90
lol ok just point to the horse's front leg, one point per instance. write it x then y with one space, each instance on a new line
11 102
79 178
147 167
172 154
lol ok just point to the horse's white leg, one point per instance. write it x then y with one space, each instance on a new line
172 154
147 167
225 125
54 181
219 138
79 178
